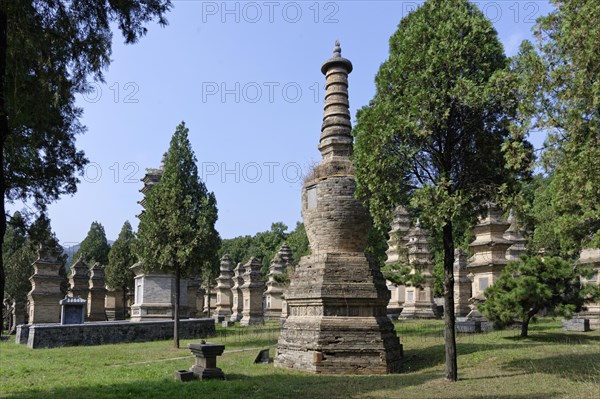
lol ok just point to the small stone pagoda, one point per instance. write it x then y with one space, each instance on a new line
224 293
337 300
97 292
397 252
488 251
591 257
237 299
274 293
252 292
45 295
418 303
114 304
79 279
515 234
462 284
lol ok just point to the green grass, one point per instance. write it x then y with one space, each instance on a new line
549 364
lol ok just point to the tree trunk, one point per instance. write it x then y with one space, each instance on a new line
524 327
449 330
177 293
3 136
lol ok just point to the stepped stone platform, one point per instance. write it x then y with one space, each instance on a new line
110 332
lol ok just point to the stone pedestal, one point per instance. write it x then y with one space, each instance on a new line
237 299
206 361
97 294
252 292
397 256
274 293
337 300
462 284
224 294
418 302
155 295
45 293
114 305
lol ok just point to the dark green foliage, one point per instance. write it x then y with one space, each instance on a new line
177 229
18 258
120 259
533 284
377 245
48 50
562 73
94 248
297 240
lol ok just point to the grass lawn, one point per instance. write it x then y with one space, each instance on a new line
549 364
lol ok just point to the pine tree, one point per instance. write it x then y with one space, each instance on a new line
177 230
120 258
94 248
535 283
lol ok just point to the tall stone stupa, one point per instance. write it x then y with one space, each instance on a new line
337 300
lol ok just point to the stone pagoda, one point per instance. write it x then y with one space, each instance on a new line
224 293
252 292
515 234
45 295
79 279
418 302
274 293
237 299
114 304
488 251
97 291
337 300
591 257
462 284
397 252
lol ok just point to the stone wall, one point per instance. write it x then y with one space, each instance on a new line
99 333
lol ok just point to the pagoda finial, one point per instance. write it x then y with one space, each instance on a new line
337 50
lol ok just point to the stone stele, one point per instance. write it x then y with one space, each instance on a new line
337 299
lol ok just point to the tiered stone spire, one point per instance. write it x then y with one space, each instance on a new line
79 279
237 298
45 293
488 249
97 292
337 320
515 234
224 293
462 284
397 251
274 293
418 303
252 291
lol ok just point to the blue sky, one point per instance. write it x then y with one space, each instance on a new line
245 77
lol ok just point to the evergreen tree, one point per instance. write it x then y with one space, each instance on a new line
120 258
177 230
432 135
533 284
48 49
94 248
18 258
562 75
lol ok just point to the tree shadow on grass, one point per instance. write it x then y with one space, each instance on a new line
273 385
560 338
431 356
576 367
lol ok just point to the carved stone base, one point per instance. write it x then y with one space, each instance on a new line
337 322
